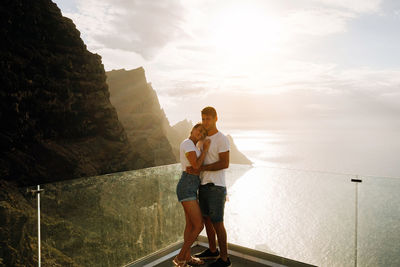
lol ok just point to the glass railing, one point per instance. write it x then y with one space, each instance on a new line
315 217
18 225
110 220
320 218
379 222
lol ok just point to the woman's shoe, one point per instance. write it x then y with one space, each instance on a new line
179 263
195 261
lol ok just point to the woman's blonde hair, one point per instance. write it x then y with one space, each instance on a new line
197 125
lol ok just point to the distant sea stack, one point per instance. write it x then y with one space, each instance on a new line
181 131
140 113
56 118
235 155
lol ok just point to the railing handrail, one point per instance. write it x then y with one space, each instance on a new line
329 172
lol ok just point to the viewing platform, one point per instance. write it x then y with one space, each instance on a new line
239 256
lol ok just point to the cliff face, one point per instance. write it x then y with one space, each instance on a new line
18 228
57 120
141 115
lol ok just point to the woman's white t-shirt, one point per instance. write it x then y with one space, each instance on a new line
186 146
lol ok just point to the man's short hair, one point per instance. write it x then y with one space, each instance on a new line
209 111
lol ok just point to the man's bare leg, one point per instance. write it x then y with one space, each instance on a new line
222 242
212 243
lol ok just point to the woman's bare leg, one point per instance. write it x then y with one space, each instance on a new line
194 225
188 229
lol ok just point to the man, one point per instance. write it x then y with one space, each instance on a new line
212 191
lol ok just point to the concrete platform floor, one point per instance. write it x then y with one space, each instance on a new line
236 261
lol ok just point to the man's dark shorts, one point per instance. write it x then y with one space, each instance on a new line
212 201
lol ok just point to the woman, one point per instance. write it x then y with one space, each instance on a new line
186 190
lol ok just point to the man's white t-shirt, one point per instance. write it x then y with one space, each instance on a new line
219 143
186 146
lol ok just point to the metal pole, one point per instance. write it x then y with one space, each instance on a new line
356 229
356 220
38 209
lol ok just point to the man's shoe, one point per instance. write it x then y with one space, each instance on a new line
207 255
221 263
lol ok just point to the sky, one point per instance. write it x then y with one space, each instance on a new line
262 64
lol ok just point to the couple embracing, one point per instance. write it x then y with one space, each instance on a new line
201 189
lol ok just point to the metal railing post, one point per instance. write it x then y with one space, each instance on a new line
356 181
37 192
38 208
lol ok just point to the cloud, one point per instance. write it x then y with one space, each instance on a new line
186 89
196 47
324 17
117 59
318 21
144 27
359 6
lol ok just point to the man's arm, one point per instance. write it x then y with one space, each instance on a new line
222 163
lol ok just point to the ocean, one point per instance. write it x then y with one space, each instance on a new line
298 201
363 152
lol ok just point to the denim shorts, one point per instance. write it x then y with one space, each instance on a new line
212 201
187 187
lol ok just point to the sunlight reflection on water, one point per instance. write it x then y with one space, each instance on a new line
375 153
309 216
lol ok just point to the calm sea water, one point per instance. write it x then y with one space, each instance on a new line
363 152
294 202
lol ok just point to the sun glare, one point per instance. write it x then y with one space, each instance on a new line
245 31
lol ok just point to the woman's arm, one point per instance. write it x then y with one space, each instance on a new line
195 161
222 163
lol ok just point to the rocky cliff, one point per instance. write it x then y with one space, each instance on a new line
57 123
141 115
57 120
